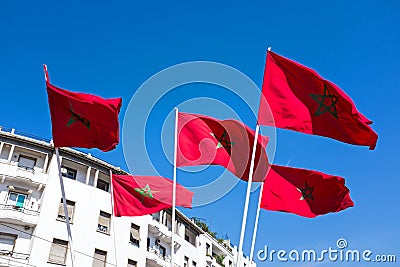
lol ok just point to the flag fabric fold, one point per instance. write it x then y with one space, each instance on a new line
296 97
203 140
83 120
141 195
304 192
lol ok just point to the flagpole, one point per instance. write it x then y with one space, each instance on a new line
65 208
246 205
113 217
256 222
174 188
253 241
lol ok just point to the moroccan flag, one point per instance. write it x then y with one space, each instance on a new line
204 140
83 120
304 192
301 100
141 195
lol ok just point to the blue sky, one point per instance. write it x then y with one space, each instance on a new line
111 49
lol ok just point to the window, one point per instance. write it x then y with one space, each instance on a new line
163 250
58 251
194 264
186 262
68 172
70 208
230 264
165 219
104 222
132 263
135 235
99 258
27 163
103 185
16 199
208 249
190 237
7 242
148 242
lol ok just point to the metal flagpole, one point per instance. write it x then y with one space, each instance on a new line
174 188
47 78
65 208
256 222
112 217
253 241
246 205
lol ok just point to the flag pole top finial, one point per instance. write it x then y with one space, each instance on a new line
269 48
46 73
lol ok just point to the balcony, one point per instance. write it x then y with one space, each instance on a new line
155 258
164 233
212 262
10 258
18 215
17 171
160 231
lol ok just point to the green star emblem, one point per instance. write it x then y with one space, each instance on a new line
306 192
75 117
223 141
327 102
145 192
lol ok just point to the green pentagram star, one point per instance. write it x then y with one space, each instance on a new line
223 141
306 192
75 117
320 99
145 192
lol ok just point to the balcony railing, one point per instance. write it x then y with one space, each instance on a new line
19 209
158 254
11 258
26 168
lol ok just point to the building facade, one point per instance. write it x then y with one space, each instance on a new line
32 219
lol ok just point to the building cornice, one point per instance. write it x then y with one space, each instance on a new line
70 151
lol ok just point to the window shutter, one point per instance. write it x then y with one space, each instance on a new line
61 209
99 259
58 251
70 208
104 222
135 232
104 219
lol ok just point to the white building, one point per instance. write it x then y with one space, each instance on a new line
32 222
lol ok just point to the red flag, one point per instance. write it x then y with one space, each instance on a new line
304 192
204 140
83 120
300 99
141 195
